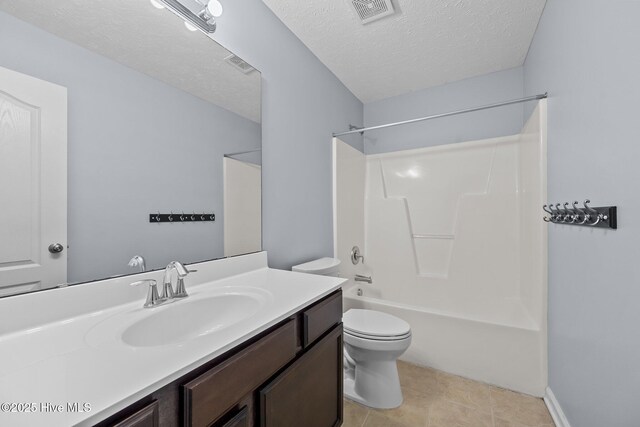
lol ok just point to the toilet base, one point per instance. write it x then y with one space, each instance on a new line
378 388
350 392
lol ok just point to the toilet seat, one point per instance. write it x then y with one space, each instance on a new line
376 337
375 325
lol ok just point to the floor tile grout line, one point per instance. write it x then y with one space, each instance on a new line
366 417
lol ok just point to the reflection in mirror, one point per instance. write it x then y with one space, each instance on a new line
242 199
111 112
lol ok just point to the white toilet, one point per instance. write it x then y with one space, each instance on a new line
373 340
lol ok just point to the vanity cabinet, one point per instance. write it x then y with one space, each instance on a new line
288 376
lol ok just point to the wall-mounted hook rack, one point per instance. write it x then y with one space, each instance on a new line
587 216
181 217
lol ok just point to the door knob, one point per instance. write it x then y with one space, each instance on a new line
56 248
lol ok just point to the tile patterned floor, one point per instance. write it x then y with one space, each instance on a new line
436 399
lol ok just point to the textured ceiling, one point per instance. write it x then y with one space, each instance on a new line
152 41
426 43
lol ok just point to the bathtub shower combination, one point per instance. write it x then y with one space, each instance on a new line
454 241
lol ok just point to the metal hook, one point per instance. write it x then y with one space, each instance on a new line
561 214
565 213
572 214
554 213
546 209
170 218
590 209
585 215
193 217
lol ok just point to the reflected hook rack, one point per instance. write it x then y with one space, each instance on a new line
181 217
586 216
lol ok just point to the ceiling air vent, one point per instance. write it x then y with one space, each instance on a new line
372 10
239 63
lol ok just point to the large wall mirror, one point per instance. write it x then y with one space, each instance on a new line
114 114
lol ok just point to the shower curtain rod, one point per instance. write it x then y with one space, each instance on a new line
437 116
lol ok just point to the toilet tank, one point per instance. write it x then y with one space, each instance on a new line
323 266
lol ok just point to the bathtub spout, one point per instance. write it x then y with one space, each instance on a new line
361 278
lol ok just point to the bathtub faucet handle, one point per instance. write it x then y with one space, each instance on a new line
356 256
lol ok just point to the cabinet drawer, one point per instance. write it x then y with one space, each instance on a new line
212 394
145 417
321 317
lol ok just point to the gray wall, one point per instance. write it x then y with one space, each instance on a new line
302 104
476 91
135 146
585 53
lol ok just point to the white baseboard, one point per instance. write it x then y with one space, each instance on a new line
554 409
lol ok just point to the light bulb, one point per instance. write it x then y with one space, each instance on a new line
157 4
214 7
190 26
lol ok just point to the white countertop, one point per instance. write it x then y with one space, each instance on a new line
81 358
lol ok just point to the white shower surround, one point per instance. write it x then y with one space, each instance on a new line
454 240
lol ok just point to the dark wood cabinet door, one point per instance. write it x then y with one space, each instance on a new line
309 392
212 394
145 417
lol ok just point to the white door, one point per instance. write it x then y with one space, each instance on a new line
242 207
33 183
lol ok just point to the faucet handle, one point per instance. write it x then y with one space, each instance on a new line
153 298
356 257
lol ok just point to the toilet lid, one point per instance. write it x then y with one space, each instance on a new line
374 324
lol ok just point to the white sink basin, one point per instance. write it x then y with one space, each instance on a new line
185 320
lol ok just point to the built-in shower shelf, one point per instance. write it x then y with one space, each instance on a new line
433 254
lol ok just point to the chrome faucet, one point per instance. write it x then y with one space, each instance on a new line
153 299
167 287
361 278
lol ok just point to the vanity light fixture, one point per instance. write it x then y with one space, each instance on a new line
197 14
214 7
